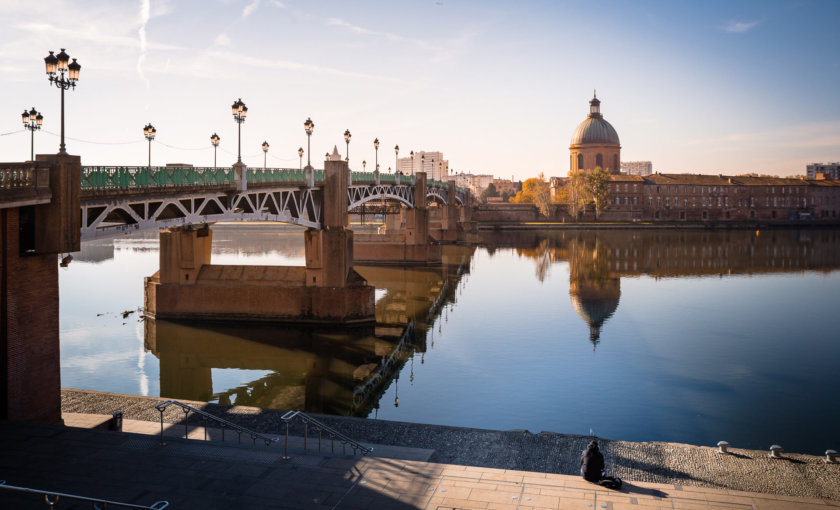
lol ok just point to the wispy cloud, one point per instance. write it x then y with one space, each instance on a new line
93 34
280 5
739 27
145 12
338 22
250 8
221 40
289 65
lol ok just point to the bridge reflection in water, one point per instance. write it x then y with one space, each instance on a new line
319 369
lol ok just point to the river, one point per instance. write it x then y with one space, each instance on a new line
637 335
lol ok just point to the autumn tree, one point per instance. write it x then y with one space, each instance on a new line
597 186
575 191
489 191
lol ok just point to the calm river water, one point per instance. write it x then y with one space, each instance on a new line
637 335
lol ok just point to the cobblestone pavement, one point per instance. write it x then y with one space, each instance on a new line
659 463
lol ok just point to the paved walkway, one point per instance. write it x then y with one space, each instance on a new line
135 468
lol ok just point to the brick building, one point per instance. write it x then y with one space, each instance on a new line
595 143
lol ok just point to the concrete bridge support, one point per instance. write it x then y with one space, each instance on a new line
409 246
35 226
326 290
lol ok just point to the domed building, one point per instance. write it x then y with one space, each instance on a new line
595 142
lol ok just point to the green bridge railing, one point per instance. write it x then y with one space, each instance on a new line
140 177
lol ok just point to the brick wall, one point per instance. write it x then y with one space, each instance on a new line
29 343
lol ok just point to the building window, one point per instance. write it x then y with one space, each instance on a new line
599 160
615 162
580 162
682 215
705 215
617 200
667 202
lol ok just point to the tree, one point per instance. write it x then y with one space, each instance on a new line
541 193
597 185
489 191
507 195
575 192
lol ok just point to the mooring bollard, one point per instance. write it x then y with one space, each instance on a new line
723 447
776 451
830 457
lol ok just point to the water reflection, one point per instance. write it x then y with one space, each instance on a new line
335 370
599 259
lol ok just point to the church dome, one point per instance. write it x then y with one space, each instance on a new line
595 130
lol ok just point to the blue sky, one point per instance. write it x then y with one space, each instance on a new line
498 87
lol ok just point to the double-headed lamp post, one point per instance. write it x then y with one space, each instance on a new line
149 132
300 157
347 136
240 111
214 139
265 153
309 127
58 65
32 121
396 157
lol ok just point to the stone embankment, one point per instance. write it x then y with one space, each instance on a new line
669 463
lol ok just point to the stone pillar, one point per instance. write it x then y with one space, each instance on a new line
240 176
417 219
30 374
183 250
449 212
329 251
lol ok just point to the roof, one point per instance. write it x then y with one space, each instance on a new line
595 130
725 180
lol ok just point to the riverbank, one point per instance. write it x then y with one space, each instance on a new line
682 225
548 452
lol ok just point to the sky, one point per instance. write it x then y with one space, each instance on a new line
498 87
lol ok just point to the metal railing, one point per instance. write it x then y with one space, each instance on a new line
320 428
205 417
51 498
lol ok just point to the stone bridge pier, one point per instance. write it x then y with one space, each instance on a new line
410 244
326 290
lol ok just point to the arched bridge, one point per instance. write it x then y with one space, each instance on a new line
119 200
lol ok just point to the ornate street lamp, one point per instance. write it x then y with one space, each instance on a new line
376 146
308 126
58 64
423 162
300 156
240 111
364 165
412 162
265 153
347 142
32 121
149 132
396 157
214 139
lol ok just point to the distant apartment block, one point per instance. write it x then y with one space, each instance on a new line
831 170
636 167
475 183
433 164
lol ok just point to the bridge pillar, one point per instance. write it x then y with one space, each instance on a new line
417 219
32 233
183 250
240 176
329 251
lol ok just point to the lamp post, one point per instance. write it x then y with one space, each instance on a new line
396 157
376 147
308 126
423 162
240 111
300 156
347 142
214 139
265 153
412 162
364 165
149 132
32 121
58 64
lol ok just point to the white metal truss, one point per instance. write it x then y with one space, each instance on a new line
108 217
358 195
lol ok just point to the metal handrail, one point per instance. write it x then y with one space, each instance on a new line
158 505
320 428
205 416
